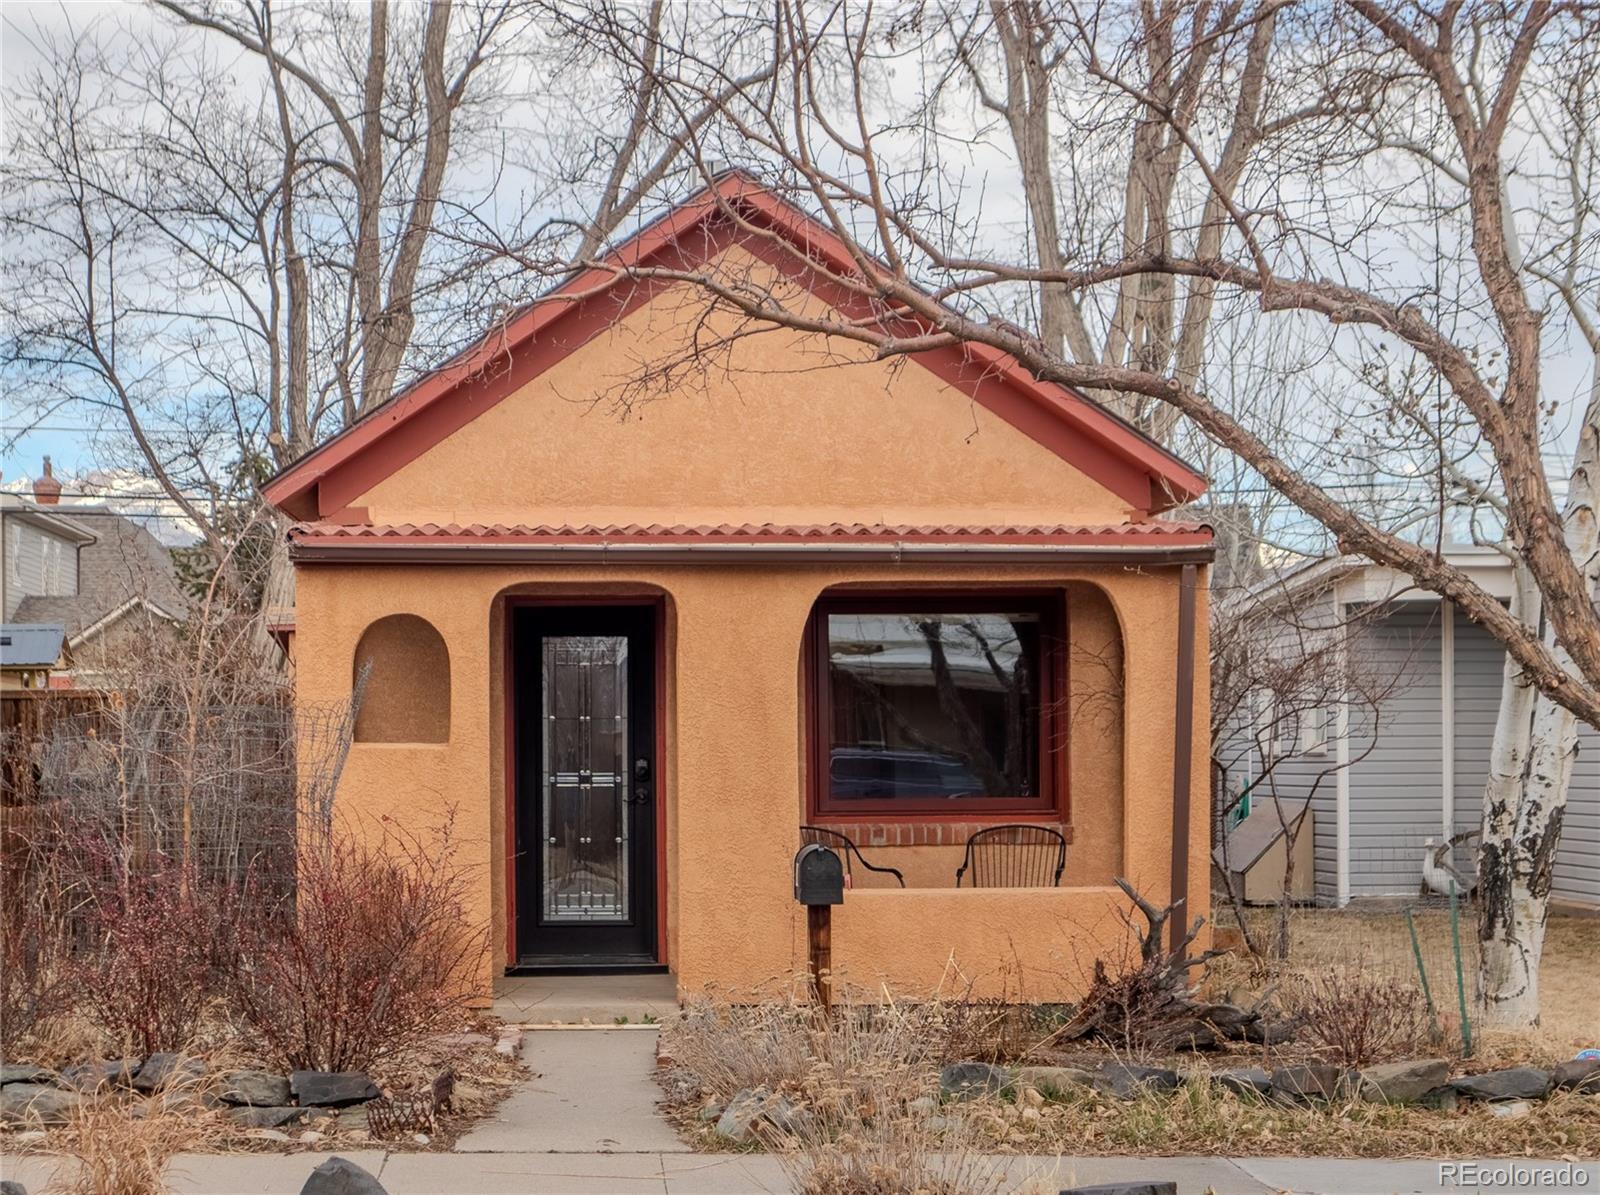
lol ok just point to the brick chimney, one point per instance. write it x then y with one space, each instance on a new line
47 490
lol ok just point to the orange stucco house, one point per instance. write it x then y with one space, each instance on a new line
638 640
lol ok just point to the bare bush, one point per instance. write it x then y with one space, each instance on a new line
33 980
168 946
376 955
1355 1018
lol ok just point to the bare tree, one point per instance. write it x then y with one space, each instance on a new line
1388 110
232 229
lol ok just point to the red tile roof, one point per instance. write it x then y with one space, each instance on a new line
1167 531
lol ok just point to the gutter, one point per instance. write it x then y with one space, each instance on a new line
340 550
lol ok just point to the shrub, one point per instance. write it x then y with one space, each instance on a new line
1354 1017
33 983
375 956
167 947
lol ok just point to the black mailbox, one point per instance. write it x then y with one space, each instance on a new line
818 876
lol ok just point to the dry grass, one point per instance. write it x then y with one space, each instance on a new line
118 1144
1206 1120
1323 938
849 1082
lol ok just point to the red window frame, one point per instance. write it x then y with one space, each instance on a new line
1051 801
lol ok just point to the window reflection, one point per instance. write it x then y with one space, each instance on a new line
927 706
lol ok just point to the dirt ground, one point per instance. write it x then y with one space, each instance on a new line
1381 940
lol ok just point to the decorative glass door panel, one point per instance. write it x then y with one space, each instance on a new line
584 783
585 871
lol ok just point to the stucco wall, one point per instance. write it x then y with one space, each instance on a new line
732 766
782 428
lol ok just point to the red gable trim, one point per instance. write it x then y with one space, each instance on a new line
332 476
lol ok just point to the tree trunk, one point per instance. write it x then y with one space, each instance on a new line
1527 797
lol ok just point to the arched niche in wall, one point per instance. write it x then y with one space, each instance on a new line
406 698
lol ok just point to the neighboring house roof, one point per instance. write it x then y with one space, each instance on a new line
1362 580
50 518
330 478
124 569
36 645
1260 829
312 540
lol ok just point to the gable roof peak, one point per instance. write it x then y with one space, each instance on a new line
328 479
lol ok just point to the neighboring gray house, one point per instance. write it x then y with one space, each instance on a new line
1418 775
93 573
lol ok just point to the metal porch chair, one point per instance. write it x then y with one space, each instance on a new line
843 846
1014 856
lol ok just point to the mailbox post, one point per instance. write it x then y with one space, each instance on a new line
819 885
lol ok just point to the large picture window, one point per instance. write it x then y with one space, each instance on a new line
933 706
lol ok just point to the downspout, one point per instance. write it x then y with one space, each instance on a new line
1342 757
1182 755
1447 716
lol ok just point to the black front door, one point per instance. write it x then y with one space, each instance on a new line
584 688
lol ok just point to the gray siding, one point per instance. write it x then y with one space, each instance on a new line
1396 793
1396 772
1479 663
1298 776
1577 875
37 564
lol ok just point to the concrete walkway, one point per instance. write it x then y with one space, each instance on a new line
522 1173
576 999
593 1091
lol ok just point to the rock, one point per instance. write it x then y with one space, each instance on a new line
340 1176
1402 1082
1125 1081
1303 1083
1271 1033
738 1119
309 1137
253 1117
13 1072
332 1089
509 1042
1581 1074
1228 1019
352 1120
1440 1099
710 1112
787 1116
923 1105
1510 1109
10 1186
91 1076
420 1138
1030 1115
1153 1187
1244 1080
1032 1097
1517 1083
268 1135
967 1080
25 1103
259 1089
1056 1082
161 1069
